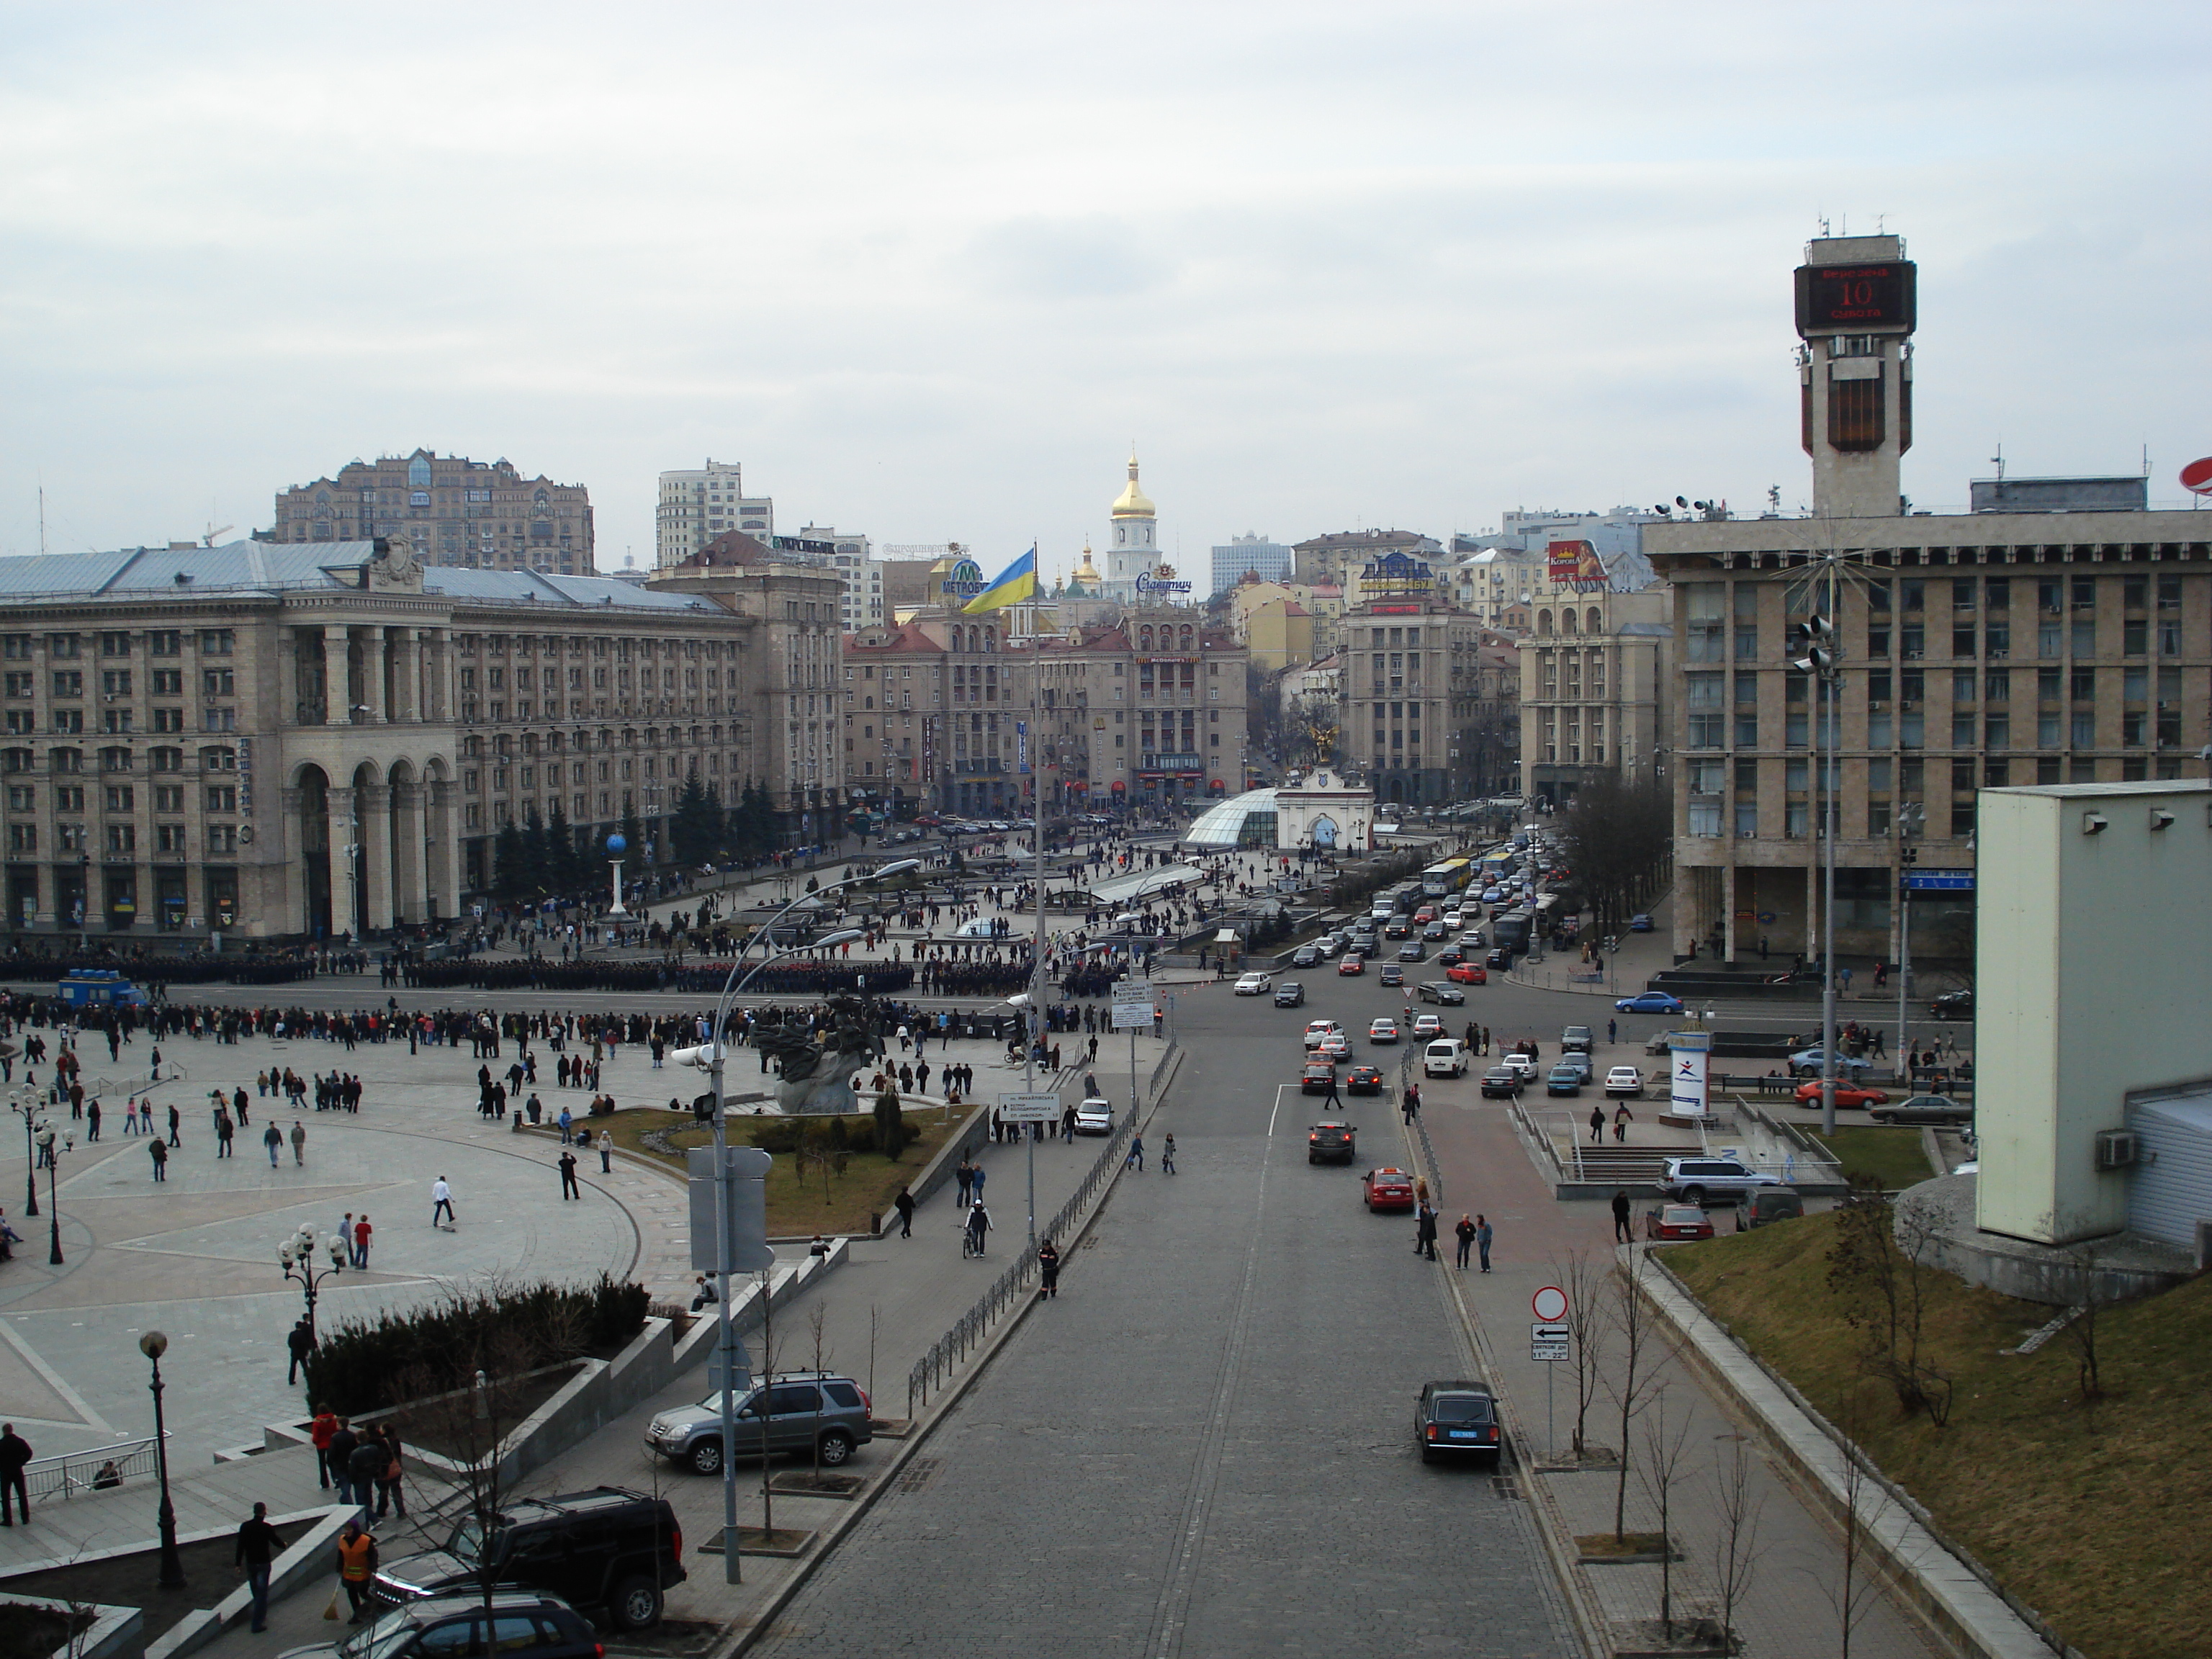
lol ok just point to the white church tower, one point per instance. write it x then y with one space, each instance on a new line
1133 545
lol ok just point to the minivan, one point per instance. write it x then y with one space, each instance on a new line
1445 1057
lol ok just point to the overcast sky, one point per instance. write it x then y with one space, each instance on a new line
927 272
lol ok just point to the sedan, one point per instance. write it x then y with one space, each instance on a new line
1581 1062
1305 956
1579 1038
1328 945
1565 1079
1953 1005
1289 995
1649 1002
1382 1029
1413 951
1426 1026
1500 957
1501 1083
1387 1189
1393 974
1936 1109
1639 924
1331 1142
1438 990
1676 1221
1625 1081
1436 932
1806 1062
1397 928
1335 1046
1354 965
1319 1078
1364 1080
1320 1029
1472 940
1450 957
1468 973
1095 1117
1255 985
1847 1094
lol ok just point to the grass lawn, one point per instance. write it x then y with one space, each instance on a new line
2095 1517
1892 1157
801 1199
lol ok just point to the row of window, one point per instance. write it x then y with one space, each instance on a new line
68 682
121 797
122 838
159 642
158 759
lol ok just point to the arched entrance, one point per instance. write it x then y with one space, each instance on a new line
313 790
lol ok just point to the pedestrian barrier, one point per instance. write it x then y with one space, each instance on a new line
968 1332
102 1467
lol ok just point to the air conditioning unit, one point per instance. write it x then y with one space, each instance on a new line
2116 1149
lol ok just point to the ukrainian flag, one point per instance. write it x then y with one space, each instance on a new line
1016 583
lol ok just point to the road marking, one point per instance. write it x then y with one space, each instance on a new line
1274 1114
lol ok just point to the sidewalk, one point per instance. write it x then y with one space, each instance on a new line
878 1313
1787 1614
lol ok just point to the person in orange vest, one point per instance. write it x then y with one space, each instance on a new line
356 1565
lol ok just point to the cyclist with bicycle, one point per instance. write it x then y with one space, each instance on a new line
978 1229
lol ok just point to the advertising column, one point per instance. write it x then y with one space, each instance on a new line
1688 1056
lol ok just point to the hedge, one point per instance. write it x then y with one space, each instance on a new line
362 1367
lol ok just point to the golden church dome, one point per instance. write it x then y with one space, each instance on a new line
1133 502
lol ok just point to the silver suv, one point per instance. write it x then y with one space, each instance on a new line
1695 1180
795 1411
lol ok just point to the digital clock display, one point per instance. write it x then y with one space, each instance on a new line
1856 299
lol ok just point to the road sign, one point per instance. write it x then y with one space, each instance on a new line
1133 1013
745 1209
1548 1342
1018 1107
1940 881
1549 1305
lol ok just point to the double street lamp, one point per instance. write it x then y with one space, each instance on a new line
297 1254
51 1148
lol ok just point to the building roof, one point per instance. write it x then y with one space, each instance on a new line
1133 502
271 568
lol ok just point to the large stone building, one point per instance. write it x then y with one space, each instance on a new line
1252 555
1595 679
1148 708
696 505
1335 560
1973 650
277 742
452 511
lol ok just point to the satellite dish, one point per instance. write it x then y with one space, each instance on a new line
2197 477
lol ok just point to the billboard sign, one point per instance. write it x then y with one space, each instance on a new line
1148 584
1689 1055
1576 564
963 582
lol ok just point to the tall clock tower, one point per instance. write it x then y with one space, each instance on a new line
1855 313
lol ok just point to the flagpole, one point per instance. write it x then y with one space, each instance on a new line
1036 950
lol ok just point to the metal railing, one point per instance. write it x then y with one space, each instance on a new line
968 1332
98 1469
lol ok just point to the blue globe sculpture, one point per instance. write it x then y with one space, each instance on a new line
616 846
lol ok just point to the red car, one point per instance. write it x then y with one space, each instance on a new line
1387 1189
1352 967
1468 973
1671 1221
1847 1094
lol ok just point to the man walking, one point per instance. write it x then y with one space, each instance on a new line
14 1453
356 1565
1620 1232
904 1205
257 1542
568 1188
300 1341
273 1139
1597 1124
441 1203
362 1231
160 1149
299 1144
339 1456
1482 1240
1465 1233
319 1430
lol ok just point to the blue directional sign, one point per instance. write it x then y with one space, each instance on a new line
1941 881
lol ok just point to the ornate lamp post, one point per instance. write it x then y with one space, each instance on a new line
23 1101
297 1254
153 1344
52 1155
616 846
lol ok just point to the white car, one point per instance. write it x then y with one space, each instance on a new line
1428 1025
1520 1064
1095 1117
1625 1081
1255 985
1384 1030
1334 1046
1320 1029
1454 917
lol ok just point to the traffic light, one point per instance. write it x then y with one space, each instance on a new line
1812 646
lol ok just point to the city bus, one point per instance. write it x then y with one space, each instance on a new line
1443 880
1510 931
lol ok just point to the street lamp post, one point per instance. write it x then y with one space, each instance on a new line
297 1255
23 1102
153 1344
46 1138
616 846
715 1048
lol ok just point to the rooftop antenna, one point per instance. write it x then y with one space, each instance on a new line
1998 460
42 514
1824 224
1879 219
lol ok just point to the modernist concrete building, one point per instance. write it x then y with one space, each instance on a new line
1975 650
279 742
696 506
452 511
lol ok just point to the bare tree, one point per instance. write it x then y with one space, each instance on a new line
1665 1447
1633 1389
469 1426
815 1320
1590 1286
766 1400
1737 1506
1854 1589
2086 1260
1885 1291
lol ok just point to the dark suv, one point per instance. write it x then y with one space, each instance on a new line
809 1414
1331 1142
523 1623
608 1550
1457 1417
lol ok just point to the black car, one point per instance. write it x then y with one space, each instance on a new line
1413 951
1290 994
1441 991
1364 1080
1305 956
1501 1083
608 1550
1331 1142
1397 928
523 1623
1457 1418
1953 1005
1450 957
1500 957
1394 974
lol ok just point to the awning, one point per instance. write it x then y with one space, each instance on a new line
1229 936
